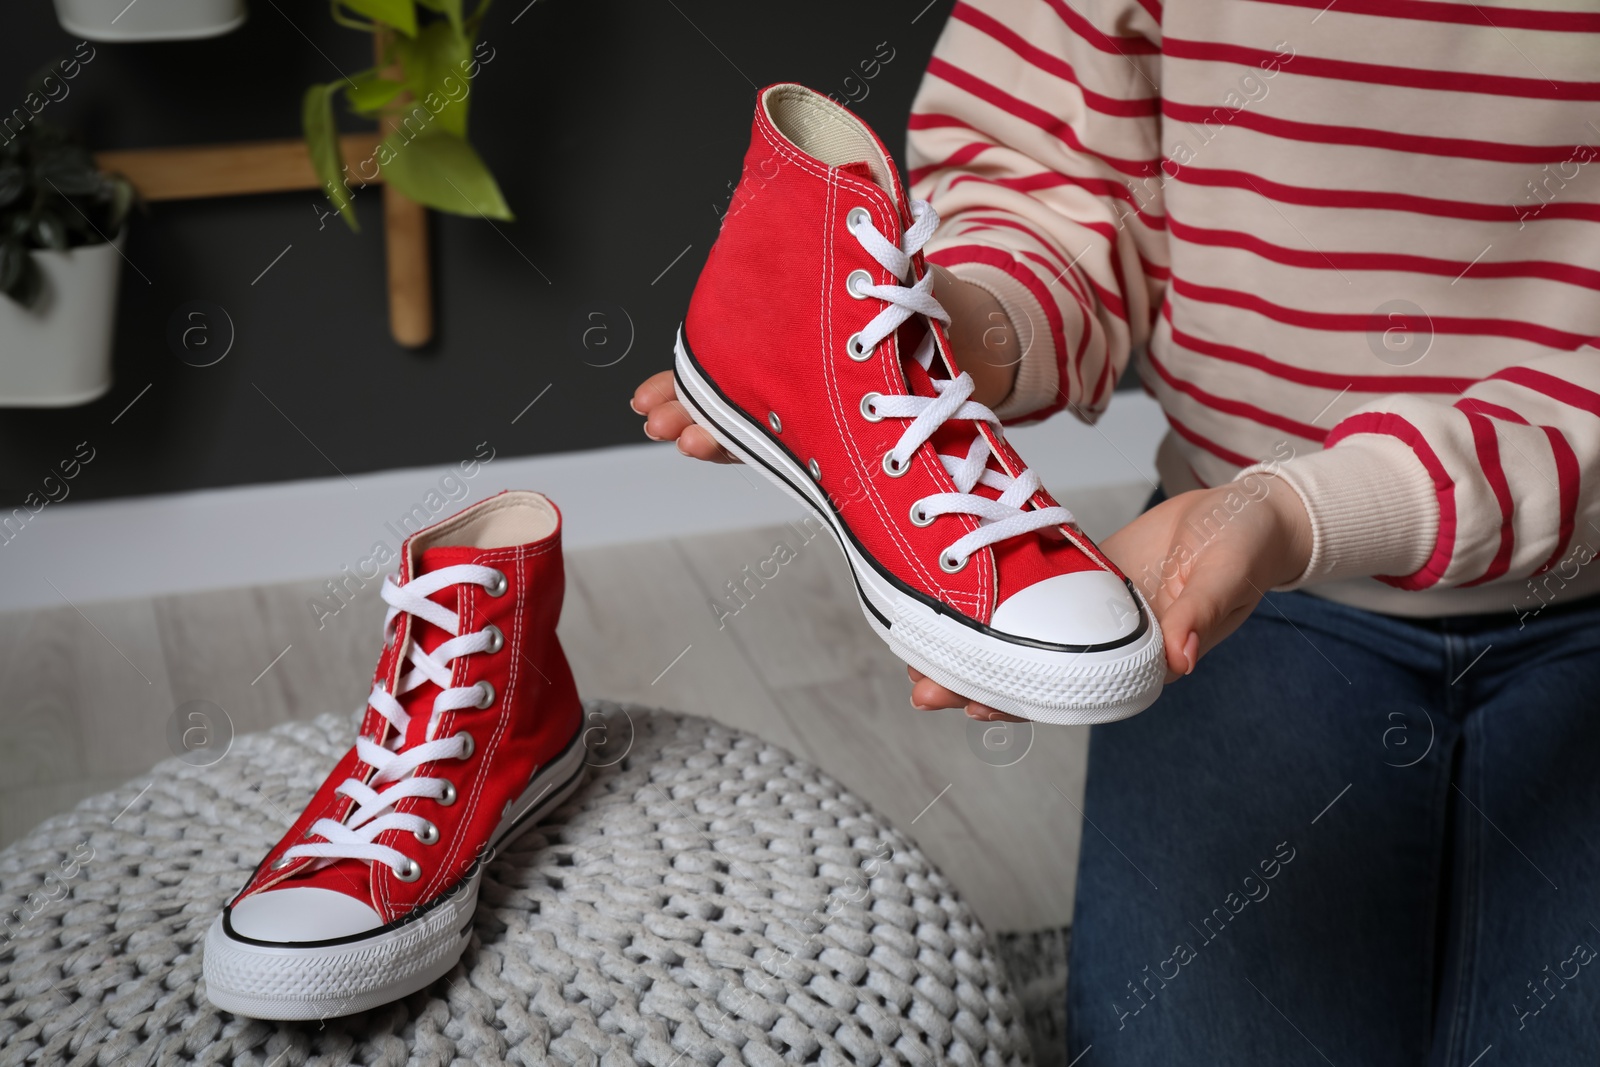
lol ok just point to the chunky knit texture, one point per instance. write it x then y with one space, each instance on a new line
705 898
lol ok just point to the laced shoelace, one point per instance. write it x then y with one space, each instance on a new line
998 520
355 837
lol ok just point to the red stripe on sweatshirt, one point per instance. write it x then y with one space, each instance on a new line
1050 123
1367 200
1455 81
1505 18
1238 459
1360 323
1582 277
1099 187
1365 137
963 155
1378 384
1568 475
1236 408
1486 442
1117 46
1444 488
1051 63
1568 393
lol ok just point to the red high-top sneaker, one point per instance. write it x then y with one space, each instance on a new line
815 351
471 734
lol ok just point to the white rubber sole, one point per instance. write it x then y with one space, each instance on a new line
329 979
1038 683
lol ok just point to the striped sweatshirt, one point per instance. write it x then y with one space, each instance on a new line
1356 244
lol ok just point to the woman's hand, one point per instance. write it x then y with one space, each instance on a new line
666 419
981 339
1203 560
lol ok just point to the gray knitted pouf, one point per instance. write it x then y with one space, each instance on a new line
704 898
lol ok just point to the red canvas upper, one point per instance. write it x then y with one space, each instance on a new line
536 712
768 323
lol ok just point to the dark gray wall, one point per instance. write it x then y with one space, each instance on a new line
613 129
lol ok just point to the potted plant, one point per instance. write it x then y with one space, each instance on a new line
61 224
419 90
153 20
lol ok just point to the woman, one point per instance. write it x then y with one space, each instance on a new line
1355 247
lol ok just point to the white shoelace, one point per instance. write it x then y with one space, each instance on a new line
355 837
999 519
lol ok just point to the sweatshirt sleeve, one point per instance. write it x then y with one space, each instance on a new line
1501 484
1036 136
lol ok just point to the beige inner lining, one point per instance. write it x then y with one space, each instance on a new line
826 131
505 521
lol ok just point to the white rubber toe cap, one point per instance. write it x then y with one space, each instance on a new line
1081 608
301 913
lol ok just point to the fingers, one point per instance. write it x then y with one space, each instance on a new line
697 443
654 391
1214 602
929 695
666 419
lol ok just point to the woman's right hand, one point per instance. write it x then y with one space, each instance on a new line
666 419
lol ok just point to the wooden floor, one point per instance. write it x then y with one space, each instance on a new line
97 693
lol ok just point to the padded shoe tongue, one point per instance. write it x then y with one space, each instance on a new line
351 876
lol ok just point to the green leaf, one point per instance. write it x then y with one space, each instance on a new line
443 172
432 62
369 95
322 142
400 14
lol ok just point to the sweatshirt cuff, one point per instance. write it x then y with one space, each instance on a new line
1373 507
1037 375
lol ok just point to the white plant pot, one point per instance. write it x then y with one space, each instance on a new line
58 352
149 20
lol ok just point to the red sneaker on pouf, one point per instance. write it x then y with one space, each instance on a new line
471 734
814 351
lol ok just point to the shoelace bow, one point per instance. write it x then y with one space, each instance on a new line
355 837
999 519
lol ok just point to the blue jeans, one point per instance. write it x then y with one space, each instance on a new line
1350 839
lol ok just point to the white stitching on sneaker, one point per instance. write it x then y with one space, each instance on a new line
998 520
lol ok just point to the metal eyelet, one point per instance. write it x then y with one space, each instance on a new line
893 469
857 277
410 872
816 470
854 349
471 745
485 695
950 566
497 586
775 422
428 835
867 400
449 796
856 217
280 863
497 639
920 517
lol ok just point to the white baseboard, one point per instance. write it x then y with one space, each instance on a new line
260 534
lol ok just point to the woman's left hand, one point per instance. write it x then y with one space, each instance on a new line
1203 560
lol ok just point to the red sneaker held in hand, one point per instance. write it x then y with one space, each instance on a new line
815 351
471 734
